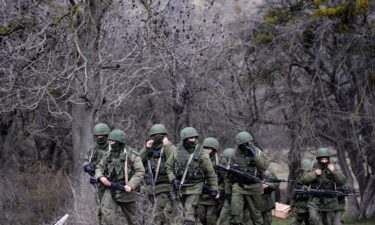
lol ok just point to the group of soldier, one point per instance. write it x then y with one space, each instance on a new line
233 187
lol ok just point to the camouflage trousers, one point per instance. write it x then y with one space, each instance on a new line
162 210
267 218
109 209
240 203
224 218
208 214
299 218
190 204
98 199
327 218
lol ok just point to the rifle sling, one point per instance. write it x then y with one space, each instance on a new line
186 169
158 166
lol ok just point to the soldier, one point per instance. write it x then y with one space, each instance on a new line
298 202
268 203
340 200
155 153
92 159
121 171
325 176
208 208
224 218
187 168
246 193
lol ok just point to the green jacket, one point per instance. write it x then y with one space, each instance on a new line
95 154
299 202
268 203
162 183
113 167
256 166
205 198
327 180
199 168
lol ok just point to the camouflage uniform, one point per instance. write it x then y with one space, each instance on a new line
208 208
246 194
92 159
298 203
113 166
327 180
268 203
224 218
200 168
163 207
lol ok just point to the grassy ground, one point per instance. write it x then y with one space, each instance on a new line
277 221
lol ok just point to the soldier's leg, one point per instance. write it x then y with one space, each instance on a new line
202 213
190 208
337 218
314 216
158 210
253 203
108 208
267 218
99 197
168 209
211 214
246 217
130 211
224 218
237 207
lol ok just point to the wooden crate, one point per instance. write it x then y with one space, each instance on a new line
281 211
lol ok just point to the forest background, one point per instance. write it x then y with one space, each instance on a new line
298 74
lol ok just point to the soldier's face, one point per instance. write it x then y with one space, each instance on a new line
193 139
324 160
208 150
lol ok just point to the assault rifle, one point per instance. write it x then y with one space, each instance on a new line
347 190
321 193
236 172
151 176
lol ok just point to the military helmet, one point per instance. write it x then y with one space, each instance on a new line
322 152
228 153
211 142
306 165
157 129
117 135
101 129
188 132
243 137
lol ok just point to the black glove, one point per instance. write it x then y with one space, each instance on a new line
89 168
176 184
213 193
92 180
247 149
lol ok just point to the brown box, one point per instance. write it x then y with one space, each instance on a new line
281 211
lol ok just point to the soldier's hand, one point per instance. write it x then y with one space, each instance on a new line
217 196
128 188
149 144
89 168
265 186
105 181
176 184
331 167
165 140
318 172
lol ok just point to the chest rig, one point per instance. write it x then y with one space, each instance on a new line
195 171
97 153
160 174
245 164
325 180
115 166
